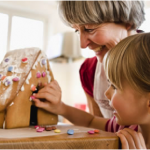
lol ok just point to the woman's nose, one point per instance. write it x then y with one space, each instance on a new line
84 41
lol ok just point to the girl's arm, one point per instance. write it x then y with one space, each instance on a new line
52 94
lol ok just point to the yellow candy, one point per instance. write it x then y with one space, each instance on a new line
57 131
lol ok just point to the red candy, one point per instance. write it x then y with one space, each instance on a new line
24 59
91 132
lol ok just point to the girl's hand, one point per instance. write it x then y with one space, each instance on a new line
52 94
131 139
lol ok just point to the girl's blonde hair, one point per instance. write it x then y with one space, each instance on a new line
130 61
97 12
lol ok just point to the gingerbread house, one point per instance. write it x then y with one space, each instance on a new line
20 73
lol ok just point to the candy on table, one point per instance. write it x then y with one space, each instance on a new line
37 127
57 131
48 128
96 131
70 132
91 132
41 129
54 128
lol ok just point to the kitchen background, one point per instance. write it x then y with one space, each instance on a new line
37 24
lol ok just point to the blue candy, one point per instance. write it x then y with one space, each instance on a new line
70 132
10 69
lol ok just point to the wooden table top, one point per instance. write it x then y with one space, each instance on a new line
81 139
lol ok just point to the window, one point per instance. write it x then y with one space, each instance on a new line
3 34
26 33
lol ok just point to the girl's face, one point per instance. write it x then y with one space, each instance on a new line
100 37
130 106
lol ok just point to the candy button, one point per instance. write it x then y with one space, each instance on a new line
10 68
57 131
24 60
38 74
43 61
15 79
37 127
32 97
48 128
33 88
70 132
3 77
43 74
6 60
53 128
40 129
7 82
91 132
96 131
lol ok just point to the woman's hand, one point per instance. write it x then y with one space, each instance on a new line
52 94
131 139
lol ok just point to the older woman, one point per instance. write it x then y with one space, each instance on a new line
101 25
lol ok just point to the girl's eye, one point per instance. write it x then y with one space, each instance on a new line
113 87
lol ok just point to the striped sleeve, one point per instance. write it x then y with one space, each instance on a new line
112 126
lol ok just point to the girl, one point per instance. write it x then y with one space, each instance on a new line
127 68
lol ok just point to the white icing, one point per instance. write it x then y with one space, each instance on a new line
28 78
11 104
48 76
22 88
35 64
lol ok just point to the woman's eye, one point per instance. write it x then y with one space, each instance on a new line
77 31
113 87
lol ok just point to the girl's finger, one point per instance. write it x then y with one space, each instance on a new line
123 140
142 141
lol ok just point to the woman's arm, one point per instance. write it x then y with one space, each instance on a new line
93 107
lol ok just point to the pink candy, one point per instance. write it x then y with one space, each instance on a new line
15 79
43 74
40 129
38 75
91 132
32 97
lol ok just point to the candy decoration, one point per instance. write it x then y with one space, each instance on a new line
54 128
70 132
40 129
91 132
43 74
48 128
38 75
96 131
10 68
3 77
32 97
7 82
15 79
57 131
6 60
33 88
37 127
43 61
24 60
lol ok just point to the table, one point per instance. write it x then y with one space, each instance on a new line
79 140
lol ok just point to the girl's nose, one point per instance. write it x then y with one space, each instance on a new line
84 41
107 94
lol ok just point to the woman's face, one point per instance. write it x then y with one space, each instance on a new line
131 107
100 37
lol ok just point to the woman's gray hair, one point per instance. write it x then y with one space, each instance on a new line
85 12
